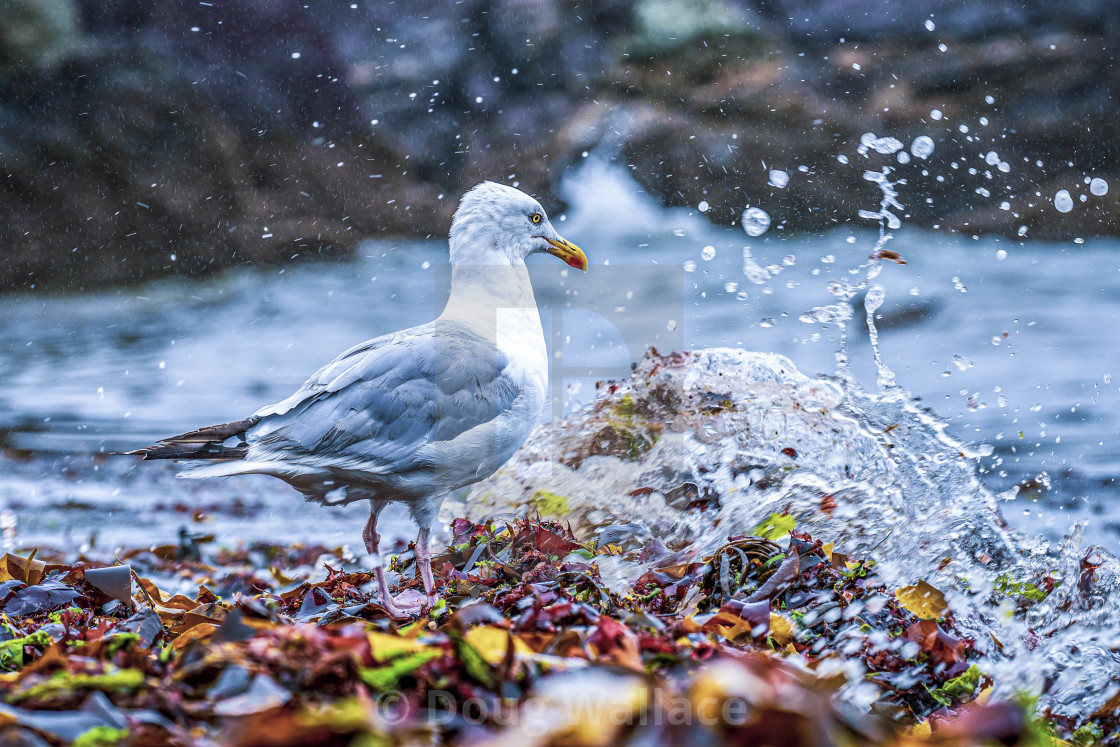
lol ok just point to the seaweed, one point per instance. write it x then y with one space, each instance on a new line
753 644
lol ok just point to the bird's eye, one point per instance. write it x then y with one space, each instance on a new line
536 218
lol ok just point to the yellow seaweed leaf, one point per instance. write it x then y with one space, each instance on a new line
781 630
923 600
920 731
492 642
385 646
199 632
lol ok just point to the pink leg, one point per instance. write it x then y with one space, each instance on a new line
424 564
372 540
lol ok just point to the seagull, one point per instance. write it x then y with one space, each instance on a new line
413 415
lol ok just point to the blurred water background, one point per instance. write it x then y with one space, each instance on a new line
169 169
95 372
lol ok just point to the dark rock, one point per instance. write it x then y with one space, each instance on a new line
710 126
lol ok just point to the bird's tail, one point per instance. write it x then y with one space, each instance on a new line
204 443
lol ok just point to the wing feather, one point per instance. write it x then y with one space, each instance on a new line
380 403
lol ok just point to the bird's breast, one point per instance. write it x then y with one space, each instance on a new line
521 338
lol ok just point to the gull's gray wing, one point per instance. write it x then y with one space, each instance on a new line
377 404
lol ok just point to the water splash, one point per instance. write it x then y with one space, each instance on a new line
922 147
699 446
840 314
889 200
884 145
756 221
754 272
874 298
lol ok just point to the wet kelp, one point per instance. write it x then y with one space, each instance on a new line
717 550
700 446
541 637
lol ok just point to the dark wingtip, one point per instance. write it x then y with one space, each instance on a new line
134 452
191 450
211 433
204 443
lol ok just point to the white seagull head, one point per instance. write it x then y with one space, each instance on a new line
496 224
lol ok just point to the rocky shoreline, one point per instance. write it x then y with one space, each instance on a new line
139 140
716 530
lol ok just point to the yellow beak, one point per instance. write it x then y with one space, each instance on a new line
568 252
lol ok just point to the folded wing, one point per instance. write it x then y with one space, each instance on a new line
377 405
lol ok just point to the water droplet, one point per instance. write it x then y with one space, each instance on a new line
963 128
671 325
1022 230
903 157
708 253
754 272
874 298
1005 205
962 363
930 25
992 158
756 221
703 206
923 146
766 322
1063 201
936 114
883 145
1098 187
731 286
1001 254
778 178
989 99
842 158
